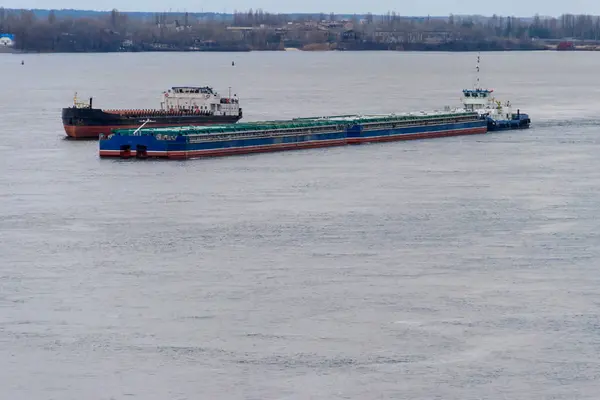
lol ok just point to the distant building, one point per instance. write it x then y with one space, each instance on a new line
566 45
7 40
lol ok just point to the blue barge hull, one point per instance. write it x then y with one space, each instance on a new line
192 142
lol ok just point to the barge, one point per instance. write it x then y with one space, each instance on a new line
300 133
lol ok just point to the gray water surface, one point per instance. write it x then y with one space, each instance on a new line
457 268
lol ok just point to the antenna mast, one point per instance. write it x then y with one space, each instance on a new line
477 87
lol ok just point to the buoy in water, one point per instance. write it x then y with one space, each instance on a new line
233 63
22 62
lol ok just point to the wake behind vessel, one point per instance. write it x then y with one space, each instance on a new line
180 106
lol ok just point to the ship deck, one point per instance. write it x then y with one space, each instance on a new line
325 123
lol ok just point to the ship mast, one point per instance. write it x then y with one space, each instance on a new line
477 87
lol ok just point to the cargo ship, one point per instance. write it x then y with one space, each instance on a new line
300 133
180 106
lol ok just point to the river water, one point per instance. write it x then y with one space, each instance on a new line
457 268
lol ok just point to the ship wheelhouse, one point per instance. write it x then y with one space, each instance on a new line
483 102
475 99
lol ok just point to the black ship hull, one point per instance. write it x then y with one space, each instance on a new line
89 123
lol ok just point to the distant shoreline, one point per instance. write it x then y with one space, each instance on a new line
447 47
73 31
290 50
355 46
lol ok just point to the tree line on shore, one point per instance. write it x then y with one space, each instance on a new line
56 31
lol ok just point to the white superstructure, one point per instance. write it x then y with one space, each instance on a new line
199 99
483 101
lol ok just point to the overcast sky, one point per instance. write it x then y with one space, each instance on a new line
402 7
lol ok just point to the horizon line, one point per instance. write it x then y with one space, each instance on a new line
287 13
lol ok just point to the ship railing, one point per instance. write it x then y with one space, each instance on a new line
266 133
79 104
275 132
257 126
411 118
327 118
258 135
250 127
145 112
416 122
